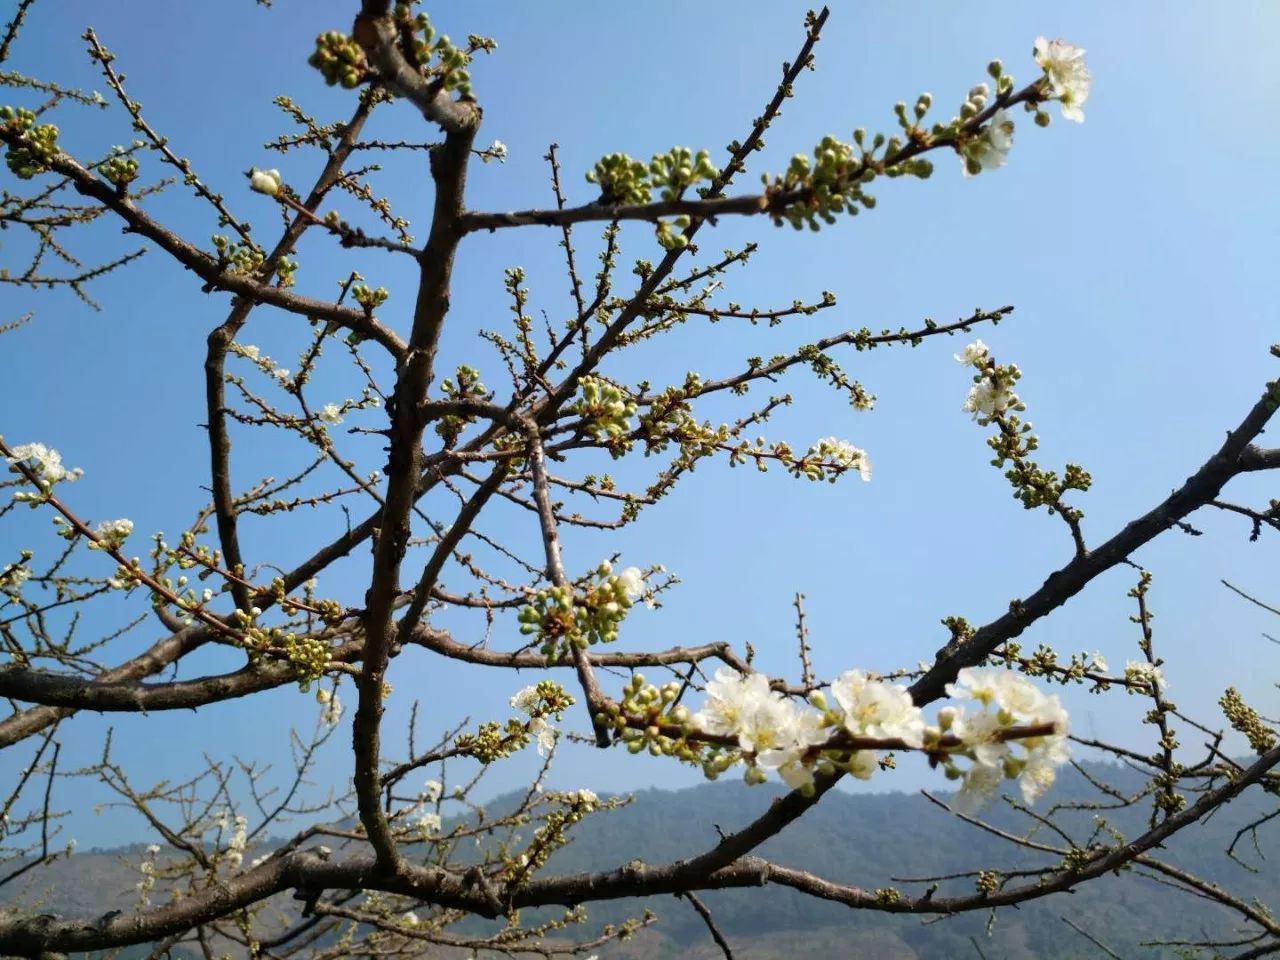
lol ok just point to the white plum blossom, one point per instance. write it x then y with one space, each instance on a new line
1144 674
544 735
1041 770
979 732
428 824
873 708
980 783
989 150
331 714
973 354
331 413
281 374
495 151
1007 700
265 181
989 399
1097 661
632 581
44 462
112 533
431 791
153 849
14 575
862 764
410 918
845 454
1069 78
526 700
796 731
250 351
731 698
237 843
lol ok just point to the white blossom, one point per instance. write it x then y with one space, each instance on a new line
845 454
988 399
236 845
862 764
1146 674
632 581
544 735
428 824
113 533
410 918
496 151
153 849
250 351
331 715
587 798
526 700
265 181
980 732
45 462
973 354
873 708
1069 78
793 732
731 697
980 783
1097 661
1041 769
990 148
431 791
280 373
331 413
14 575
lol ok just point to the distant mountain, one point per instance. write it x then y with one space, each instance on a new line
865 839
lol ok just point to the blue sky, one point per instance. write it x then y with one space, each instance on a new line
1137 249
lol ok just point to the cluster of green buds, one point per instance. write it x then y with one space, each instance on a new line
241 259
606 411
494 741
992 400
286 272
1245 720
339 60
307 655
369 298
552 834
582 614
464 385
622 180
120 168
39 142
987 882
649 718
451 60
678 169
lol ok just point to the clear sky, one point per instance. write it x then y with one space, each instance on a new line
1138 249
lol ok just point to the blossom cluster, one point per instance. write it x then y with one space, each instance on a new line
330 706
236 845
992 391
1068 77
1010 729
45 463
841 455
566 616
606 410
